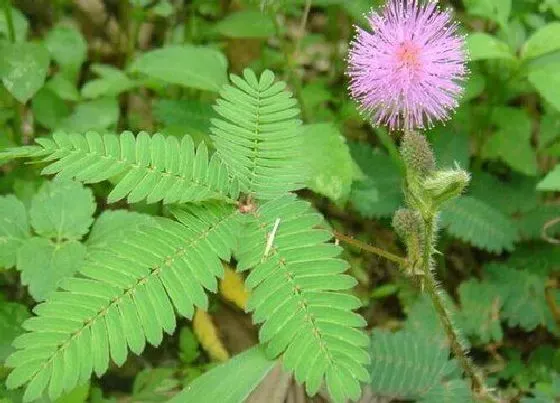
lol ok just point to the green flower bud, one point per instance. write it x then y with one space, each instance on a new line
406 222
417 153
446 185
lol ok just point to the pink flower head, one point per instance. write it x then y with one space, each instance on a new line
407 71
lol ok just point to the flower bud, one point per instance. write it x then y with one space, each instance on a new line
446 185
417 153
406 222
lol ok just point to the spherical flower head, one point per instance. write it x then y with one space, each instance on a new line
407 71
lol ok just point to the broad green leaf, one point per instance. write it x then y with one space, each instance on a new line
495 10
512 141
480 311
186 65
23 69
99 114
111 82
67 47
49 109
551 182
230 382
20 24
484 46
479 223
44 263
163 9
379 194
246 24
113 225
12 316
545 40
185 114
14 229
546 80
62 210
63 88
331 168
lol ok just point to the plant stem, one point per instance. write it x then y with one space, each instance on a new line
369 248
12 37
444 315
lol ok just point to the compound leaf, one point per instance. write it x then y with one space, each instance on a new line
124 296
152 168
299 294
258 135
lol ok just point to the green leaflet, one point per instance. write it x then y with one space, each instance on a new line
152 168
230 382
258 135
125 295
14 229
299 295
62 210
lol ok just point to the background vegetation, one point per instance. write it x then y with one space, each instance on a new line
158 66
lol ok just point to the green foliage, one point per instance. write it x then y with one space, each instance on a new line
480 310
523 296
14 229
246 24
478 223
67 47
23 68
296 295
111 82
62 210
483 47
185 65
12 316
126 296
258 135
149 168
379 193
230 382
413 363
331 176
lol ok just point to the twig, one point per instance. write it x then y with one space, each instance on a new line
401 261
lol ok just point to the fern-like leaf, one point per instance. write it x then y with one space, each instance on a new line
126 295
296 281
258 135
152 168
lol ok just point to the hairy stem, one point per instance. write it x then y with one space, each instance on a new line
401 261
453 335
